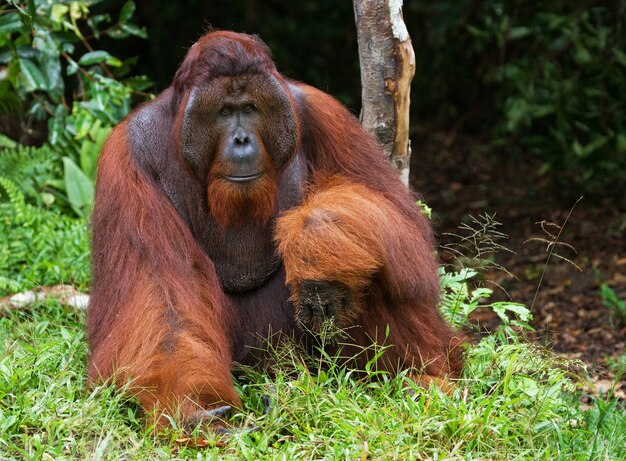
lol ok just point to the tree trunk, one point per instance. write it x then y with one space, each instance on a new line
387 67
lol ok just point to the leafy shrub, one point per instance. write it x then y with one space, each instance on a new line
40 244
561 85
35 170
459 300
55 74
541 78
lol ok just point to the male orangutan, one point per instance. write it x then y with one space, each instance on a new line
239 203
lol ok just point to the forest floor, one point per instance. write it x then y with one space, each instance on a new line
570 314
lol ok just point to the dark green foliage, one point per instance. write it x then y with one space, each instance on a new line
54 74
36 170
545 78
39 244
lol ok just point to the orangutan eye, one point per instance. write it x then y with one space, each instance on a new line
226 110
249 108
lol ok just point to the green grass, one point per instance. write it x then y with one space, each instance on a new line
515 401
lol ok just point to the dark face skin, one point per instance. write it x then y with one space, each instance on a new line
240 154
238 128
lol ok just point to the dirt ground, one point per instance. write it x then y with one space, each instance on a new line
570 315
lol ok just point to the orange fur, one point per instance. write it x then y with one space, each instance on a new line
235 204
150 304
315 238
187 266
349 233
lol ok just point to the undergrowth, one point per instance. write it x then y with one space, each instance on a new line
515 400
39 243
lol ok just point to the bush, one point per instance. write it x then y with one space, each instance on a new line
40 244
54 74
541 78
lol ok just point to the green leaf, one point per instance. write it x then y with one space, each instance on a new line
114 62
481 293
83 124
476 32
116 32
56 184
32 9
56 124
462 276
6 54
66 46
78 186
525 384
620 56
26 51
134 30
10 23
91 146
582 56
55 85
32 77
127 11
94 57
72 67
501 308
519 32
47 198
78 10
58 12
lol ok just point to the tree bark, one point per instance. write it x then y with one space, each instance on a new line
387 65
